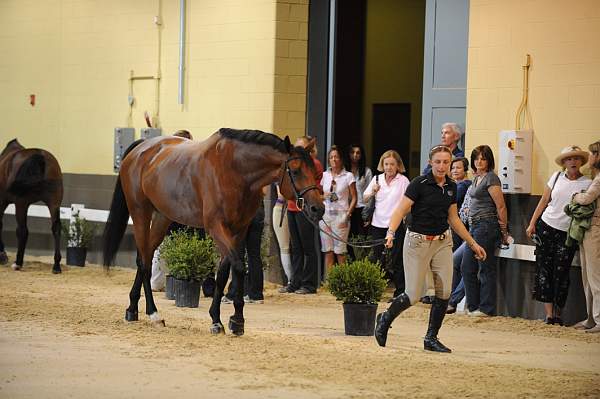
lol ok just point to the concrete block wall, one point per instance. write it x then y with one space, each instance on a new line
245 68
291 53
564 88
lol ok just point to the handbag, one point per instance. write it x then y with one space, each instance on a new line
369 209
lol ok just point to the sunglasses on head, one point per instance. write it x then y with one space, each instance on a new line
333 197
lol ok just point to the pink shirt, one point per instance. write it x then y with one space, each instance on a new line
387 198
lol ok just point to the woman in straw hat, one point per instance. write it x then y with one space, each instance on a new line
549 232
590 248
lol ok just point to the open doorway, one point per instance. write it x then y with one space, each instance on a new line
378 77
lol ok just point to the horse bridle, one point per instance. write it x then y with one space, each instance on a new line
300 204
298 193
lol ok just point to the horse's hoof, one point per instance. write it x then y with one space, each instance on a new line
16 267
3 258
217 328
131 316
158 324
56 271
236 327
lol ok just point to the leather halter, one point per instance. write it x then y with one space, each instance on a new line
299 194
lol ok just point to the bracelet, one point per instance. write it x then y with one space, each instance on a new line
391 233
472 243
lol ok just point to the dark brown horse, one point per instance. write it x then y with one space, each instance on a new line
27 176
215 184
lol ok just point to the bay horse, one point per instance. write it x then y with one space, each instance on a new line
29 175
215 184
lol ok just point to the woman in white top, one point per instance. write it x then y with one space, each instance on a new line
549 232
339 195
388 189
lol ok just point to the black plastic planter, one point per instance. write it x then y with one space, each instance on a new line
187 293
76 256
169 288
359 319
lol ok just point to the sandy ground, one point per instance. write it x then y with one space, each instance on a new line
64 336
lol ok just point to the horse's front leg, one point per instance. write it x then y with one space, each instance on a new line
3 256
55 216
22 233
236 321
215 307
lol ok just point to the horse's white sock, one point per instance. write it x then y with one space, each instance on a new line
155 317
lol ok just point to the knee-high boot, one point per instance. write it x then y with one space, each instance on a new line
436 317
385 319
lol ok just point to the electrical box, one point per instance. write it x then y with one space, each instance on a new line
149 132
124 137
515 162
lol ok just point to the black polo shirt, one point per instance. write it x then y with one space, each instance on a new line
429 213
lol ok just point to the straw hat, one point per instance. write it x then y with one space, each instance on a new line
572 151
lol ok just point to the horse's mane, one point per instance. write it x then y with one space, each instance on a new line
254 136
268 139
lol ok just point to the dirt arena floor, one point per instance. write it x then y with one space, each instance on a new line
63 336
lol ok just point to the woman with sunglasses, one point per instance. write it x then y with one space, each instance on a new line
339 194
388 188
590 248
431 201
548 228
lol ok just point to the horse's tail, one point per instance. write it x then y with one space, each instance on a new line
30 176
115 227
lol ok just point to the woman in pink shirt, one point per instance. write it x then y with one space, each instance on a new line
388 189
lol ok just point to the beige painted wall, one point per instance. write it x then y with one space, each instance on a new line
394 62
563 39
246 68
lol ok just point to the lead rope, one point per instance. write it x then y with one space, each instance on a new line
358 244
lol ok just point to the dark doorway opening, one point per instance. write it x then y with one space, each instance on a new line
391 131
378 78
349 72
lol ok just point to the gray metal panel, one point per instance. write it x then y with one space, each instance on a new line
451 39
444 68
124 137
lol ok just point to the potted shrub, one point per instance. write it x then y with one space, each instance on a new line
79 234
359 285
189 259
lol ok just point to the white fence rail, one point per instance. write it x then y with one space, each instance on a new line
515 251
41 211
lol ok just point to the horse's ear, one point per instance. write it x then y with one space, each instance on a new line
288 144
311 145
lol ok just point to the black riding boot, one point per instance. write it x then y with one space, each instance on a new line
436 317
384 320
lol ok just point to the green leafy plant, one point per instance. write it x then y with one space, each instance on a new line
360 281
187 256
360 253
79 233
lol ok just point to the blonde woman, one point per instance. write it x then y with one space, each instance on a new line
590 248
388 189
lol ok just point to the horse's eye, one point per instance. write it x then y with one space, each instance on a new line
295 173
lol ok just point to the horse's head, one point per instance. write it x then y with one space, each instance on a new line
298 182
